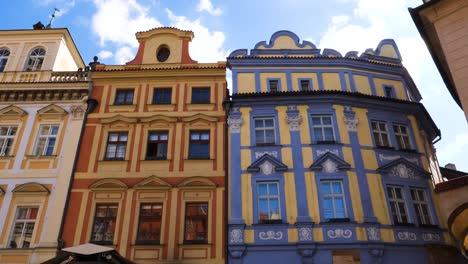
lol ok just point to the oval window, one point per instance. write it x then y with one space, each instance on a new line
163 53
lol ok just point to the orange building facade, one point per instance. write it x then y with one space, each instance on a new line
149 180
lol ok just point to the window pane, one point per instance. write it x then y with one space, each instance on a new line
205 136
273 188
274 209
113 137
337 187
329 215
326 188
328 204
262 189
316 121
340 214
328 134
326 120
339 203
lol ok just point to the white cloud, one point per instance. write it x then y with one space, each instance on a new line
63 6
207 46
105 54
124 54
206 5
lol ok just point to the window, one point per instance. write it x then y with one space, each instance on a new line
46 140
201 95
36 58
7 135
162 96
305 85
397 204
264 131
149 225
388 91
379 129
402 137
196 223
333 200
104 224
124 97
273 85
421 207
4 53
199 145
116 145
323 129
23 227
157 145
268 202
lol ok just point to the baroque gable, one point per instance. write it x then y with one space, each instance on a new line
329 163
267 165
51 112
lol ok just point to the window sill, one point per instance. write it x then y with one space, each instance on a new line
385 148
270 222
408 150
324 143
7 157
156 159
192 158
201 106
338 220
160 107
122 107
147 243
45 157
110 243
195 243
265 144
113 160
428 226
404 224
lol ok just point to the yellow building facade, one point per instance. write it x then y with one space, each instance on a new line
43 89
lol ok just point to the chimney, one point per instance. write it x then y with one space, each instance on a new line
450 166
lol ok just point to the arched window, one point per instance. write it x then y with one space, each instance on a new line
4 53
36 58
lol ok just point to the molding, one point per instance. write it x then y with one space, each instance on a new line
30 187
12 113
108 184
152 183
197 182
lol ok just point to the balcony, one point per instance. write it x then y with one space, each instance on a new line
44 76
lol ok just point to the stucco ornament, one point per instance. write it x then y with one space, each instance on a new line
305 234
77 111
294 121
267 168
329 166
261 153
383 157
430 237
351 123
270 235
401 171
235 124
407 236
339 232
320 152
373 233
236 236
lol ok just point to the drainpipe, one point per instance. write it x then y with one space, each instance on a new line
227 104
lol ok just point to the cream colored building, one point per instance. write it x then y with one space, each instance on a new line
43 91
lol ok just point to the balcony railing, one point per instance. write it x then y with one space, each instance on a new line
44 76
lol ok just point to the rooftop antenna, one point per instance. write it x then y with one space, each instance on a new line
52 17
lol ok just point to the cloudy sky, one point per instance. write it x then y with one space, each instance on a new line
107 28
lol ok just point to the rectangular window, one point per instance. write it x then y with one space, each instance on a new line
333 199
124 97
322 127
379 129
116 145
199 145
46 139
23 227
104 224
264 131
273 84
402 137
268 202
7 136
388 91
397 205
149 225
201 95
162 95
157 145
305 85
196 223
421 207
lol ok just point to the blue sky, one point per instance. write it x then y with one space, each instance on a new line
107 28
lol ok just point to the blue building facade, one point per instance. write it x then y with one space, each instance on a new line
330 158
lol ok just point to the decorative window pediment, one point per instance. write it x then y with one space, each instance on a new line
403 168
197 182
329 163
199 117
267 165
158 118
119 121
31 187
152 182
12 113
108 184
51 112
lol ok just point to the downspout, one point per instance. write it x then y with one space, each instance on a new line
91 104
227 103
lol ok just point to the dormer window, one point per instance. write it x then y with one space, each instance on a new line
4 53
163 53
36 58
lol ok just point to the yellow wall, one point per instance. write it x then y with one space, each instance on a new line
361 83
331 81
245 82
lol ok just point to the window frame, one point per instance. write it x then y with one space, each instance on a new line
269 197
8 140
333 196
199 142
157 142
4 55
35 59
152 217
389 91
206 220
198 96
117 143
322 127
126 99
418 207
378 140
400 136
47 137
24 228
275 81
167 99
264 129
398 220
309 84
104 218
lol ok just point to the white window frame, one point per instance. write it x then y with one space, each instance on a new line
400 136
35 59
420 202
4 54
264 128
8 138
25 222
47 137
269 197
333 196
322 127
378 134
393 199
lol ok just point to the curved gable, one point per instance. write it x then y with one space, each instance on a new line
30 187
108 184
